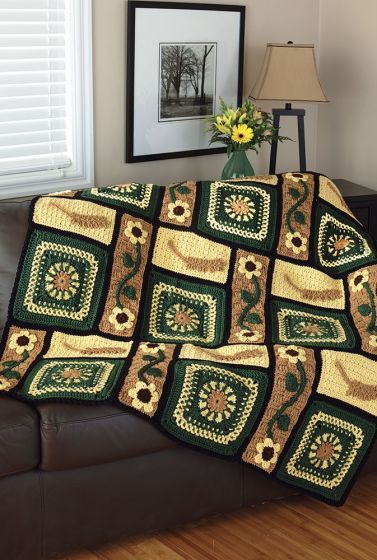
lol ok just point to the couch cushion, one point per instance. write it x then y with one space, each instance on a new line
19 437
13 227
80 435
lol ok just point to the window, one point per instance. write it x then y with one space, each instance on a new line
46 99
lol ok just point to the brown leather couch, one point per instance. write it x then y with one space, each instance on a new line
76 476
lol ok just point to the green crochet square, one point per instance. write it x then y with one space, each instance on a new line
341 244
294 324
88 379
214 406
327 450
136 197
181 311
60 282
239 211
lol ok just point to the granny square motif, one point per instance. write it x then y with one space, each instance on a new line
327 450
239 212
214 407
72 378
341 243
180 311
134 196
294 324
60 281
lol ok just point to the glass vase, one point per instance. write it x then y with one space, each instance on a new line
237 166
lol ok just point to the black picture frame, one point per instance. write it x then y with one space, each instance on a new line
131 95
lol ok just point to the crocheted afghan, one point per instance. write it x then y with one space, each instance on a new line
240 316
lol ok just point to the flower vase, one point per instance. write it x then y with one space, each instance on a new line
237 166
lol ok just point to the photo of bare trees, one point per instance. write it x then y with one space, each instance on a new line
187 80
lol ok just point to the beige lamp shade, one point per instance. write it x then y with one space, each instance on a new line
289 73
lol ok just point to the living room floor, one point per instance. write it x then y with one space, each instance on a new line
294 528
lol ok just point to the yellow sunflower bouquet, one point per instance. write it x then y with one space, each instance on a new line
244 128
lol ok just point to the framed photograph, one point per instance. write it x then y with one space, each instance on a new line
181 58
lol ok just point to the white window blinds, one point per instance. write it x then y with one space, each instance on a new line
35 126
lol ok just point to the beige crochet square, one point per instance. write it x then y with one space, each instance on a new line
349 377
307 285
191 254
76 216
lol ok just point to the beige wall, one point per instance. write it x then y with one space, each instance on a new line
347 126
266 21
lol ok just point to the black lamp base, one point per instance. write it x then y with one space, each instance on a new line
289 112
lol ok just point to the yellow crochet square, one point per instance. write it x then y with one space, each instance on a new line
267 179
307 285
76 216
330 192
239 354
350 378
65 345
188 253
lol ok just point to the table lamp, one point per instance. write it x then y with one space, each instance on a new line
289 73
